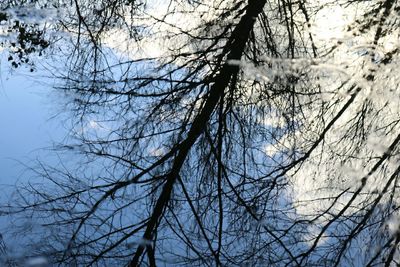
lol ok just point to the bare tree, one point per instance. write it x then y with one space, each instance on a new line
245 139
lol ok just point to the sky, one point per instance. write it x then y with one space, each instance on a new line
28 129
27 123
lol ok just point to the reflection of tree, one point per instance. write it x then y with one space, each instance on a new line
4 257
2 246
21 33
177 167
29 40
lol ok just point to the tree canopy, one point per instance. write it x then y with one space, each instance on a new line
228 133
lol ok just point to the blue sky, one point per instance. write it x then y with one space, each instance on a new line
26 124
28 129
